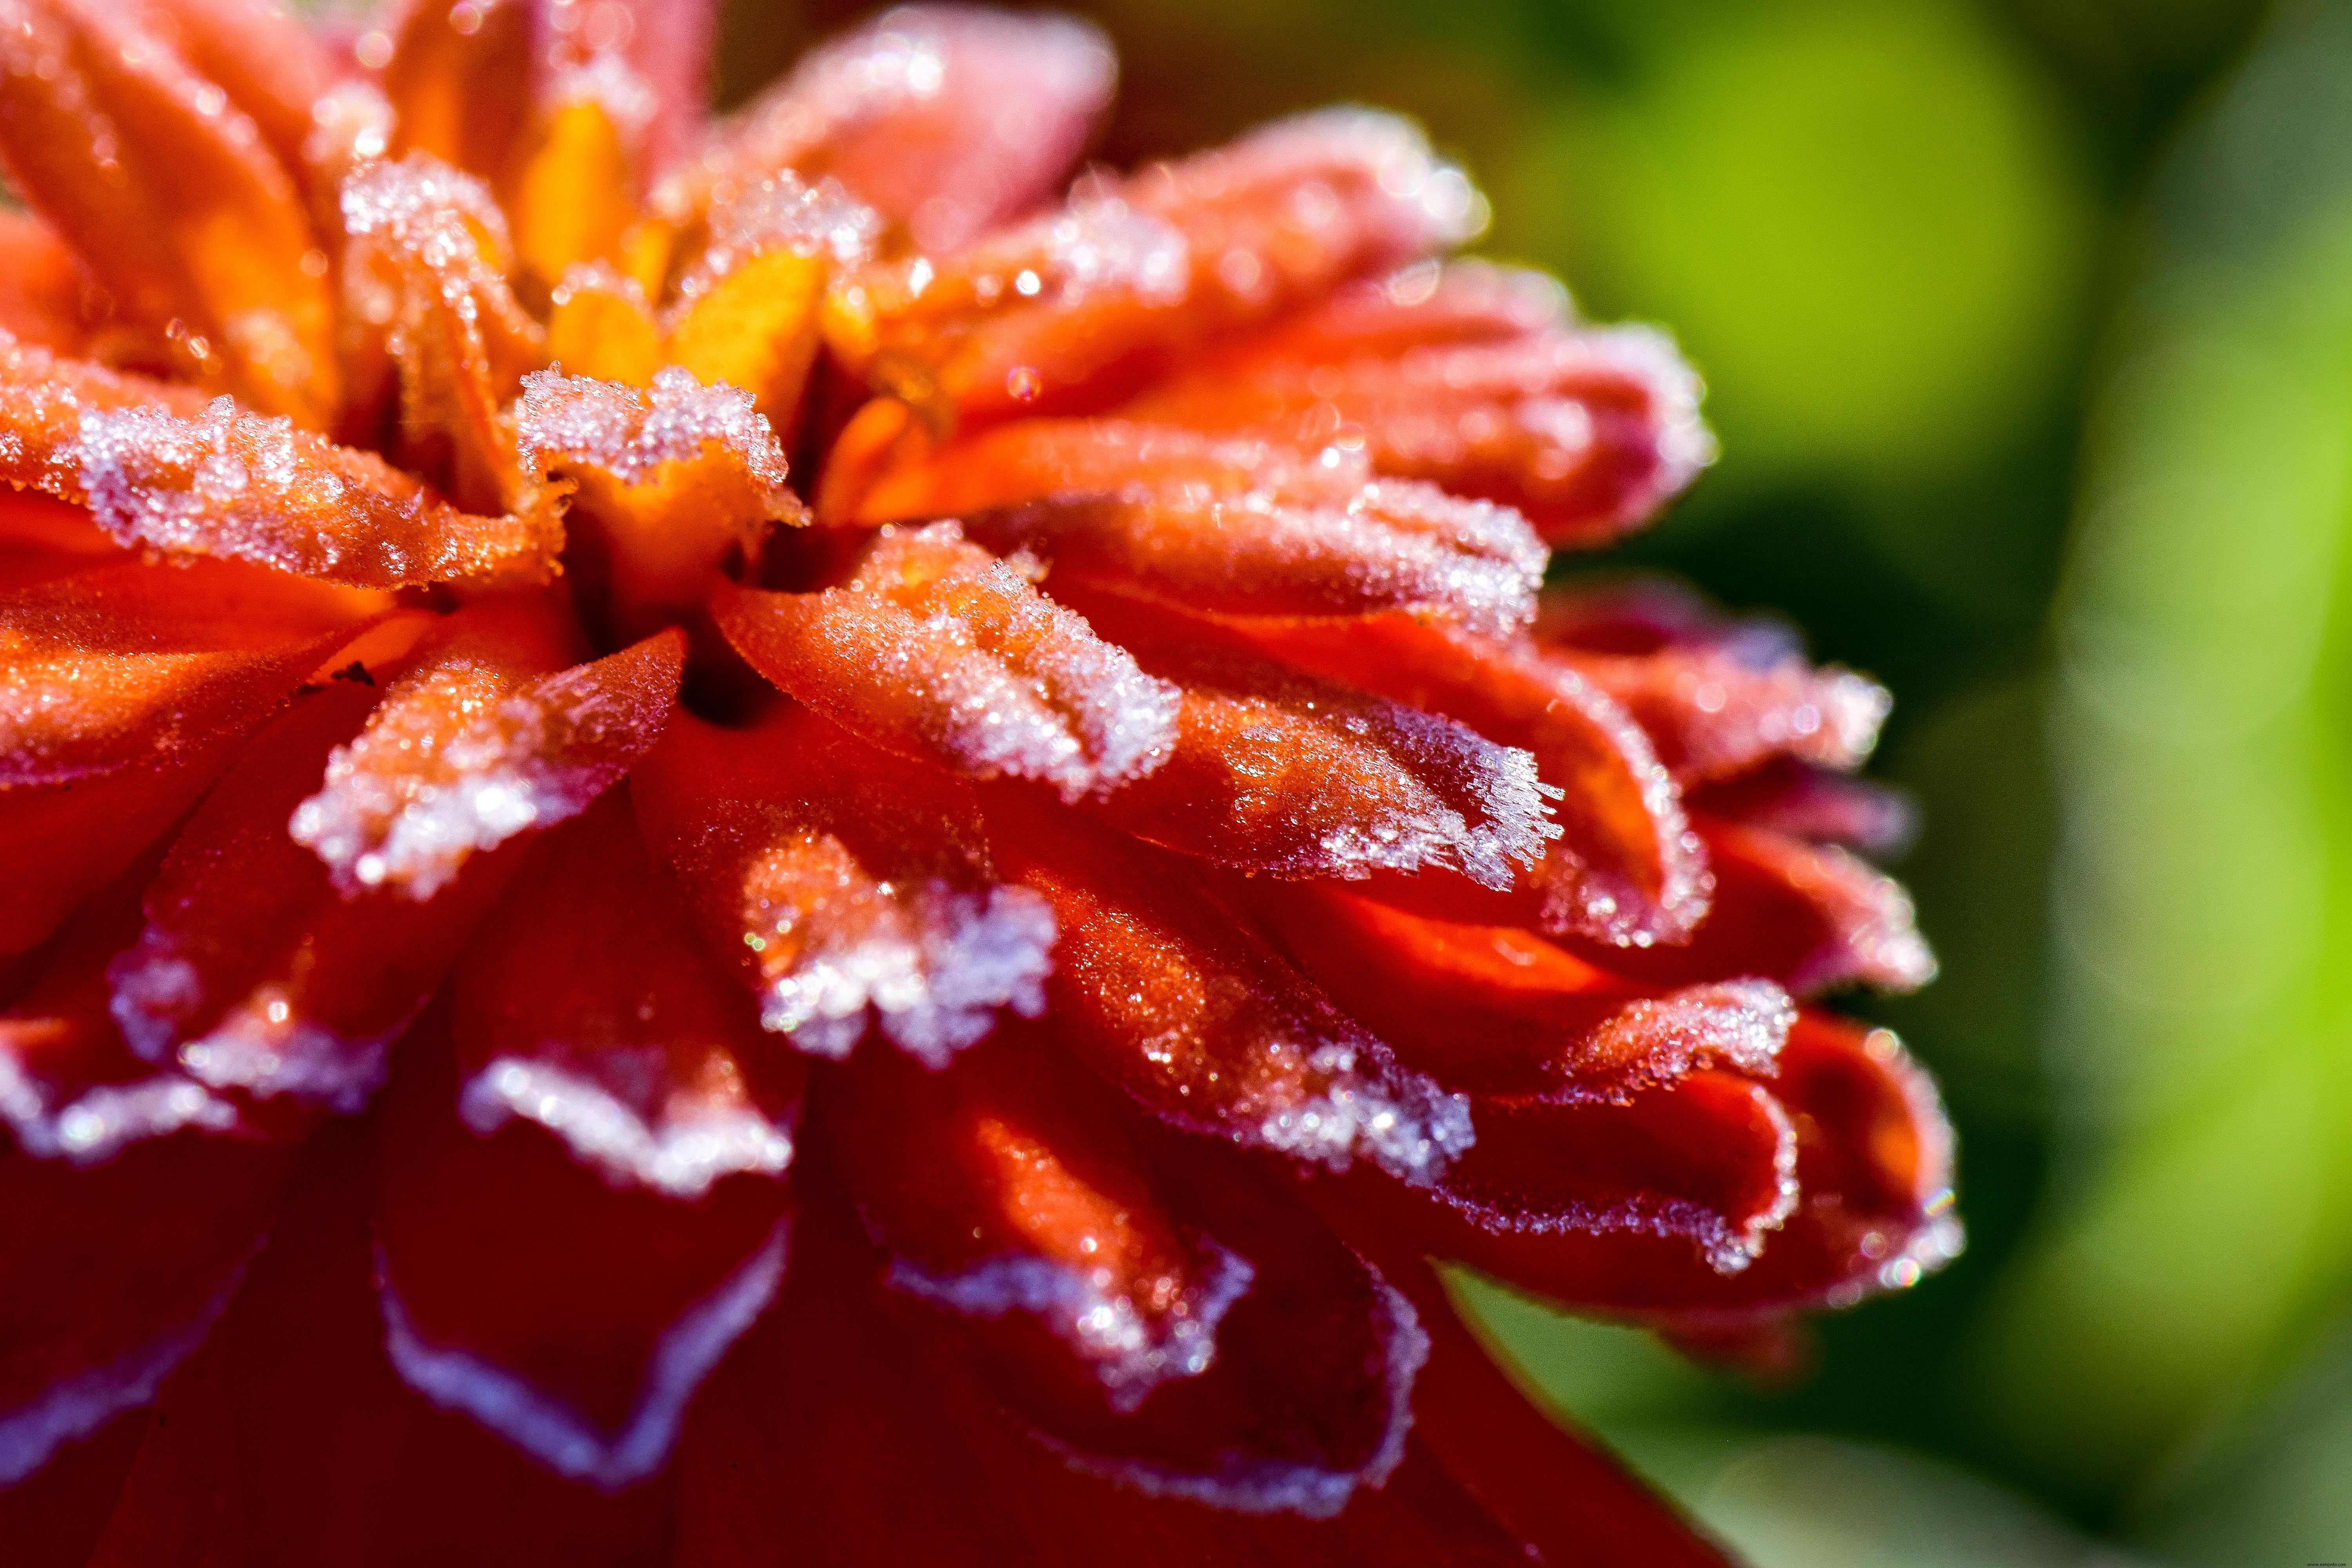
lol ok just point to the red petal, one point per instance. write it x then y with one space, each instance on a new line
1231 526
251 973
1796 801
842 882
467 751
1567 1499
1071 308
1873 1172
949 118
887 1452
53 1520
578 1223
939 651
172 199
1005 1191
1627 870
1464 376
1494 1010
1810 917
1159 988
128 1207
307 1448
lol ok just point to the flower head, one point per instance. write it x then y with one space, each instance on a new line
773 839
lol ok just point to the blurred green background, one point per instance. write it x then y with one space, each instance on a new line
2028 331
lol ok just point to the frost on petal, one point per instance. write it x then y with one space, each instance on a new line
474 746
170 195
426 257
1272 771
1872 1204
850 888
129 1200
745 310
1800 801
1462 377
250 974
1235 526
1625 869
1004 1197
583 1203
666 484
134 666
1717 694
1079 304
1812 917
948 119
1498 1011
937 650
1201 1021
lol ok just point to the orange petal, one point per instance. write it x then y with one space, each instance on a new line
1230 526
270 65
1158 987
1463 377
474 745
1271 771
171 195
160 470
1073 308
949 118
43 286
845 884
668 485
938 651
425 260
459 80
600 325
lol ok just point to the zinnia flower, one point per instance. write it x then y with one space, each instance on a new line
579 992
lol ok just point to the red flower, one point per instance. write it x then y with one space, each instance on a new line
574 998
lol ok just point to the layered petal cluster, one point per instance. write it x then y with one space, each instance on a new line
781 840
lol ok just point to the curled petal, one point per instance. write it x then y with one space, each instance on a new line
170 193
576 1228
131 1206
1872 1206
424 263
937 650
1627 870
1458 376
1497 1011
1717 695
666 484
1004 1198
474 745
1798 801
948 119
1076 306
846 885
1201 1021
1231 526
251 974
1812 917
1275 772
